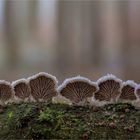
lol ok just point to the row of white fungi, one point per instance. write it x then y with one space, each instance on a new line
43 87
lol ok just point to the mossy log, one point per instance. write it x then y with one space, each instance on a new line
59 121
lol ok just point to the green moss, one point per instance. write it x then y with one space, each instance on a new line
58 121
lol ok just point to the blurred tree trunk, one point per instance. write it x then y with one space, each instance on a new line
96 33
91 33
78 35
123 11
32 15
11 36
67 34
112 37
133 48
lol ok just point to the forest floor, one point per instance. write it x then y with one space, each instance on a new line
59 121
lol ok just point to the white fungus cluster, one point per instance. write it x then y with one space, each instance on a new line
73 91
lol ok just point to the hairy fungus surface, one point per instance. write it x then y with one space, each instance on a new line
137 91
109 88
22 89
43 86
6 92
128 91
77 89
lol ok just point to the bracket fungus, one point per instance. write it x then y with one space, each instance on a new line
128 92
77 89
43 86
137 91
109 89
6 92
22 90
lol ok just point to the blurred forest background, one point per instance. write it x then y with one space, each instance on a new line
70 37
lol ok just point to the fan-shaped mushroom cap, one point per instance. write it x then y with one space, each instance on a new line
43 86
77 89
137 91
128 91
6 92
22 90
109 90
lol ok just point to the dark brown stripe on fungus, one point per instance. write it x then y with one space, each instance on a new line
43 87
6 92
138 92
128 93
22 89
109 88
77 91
